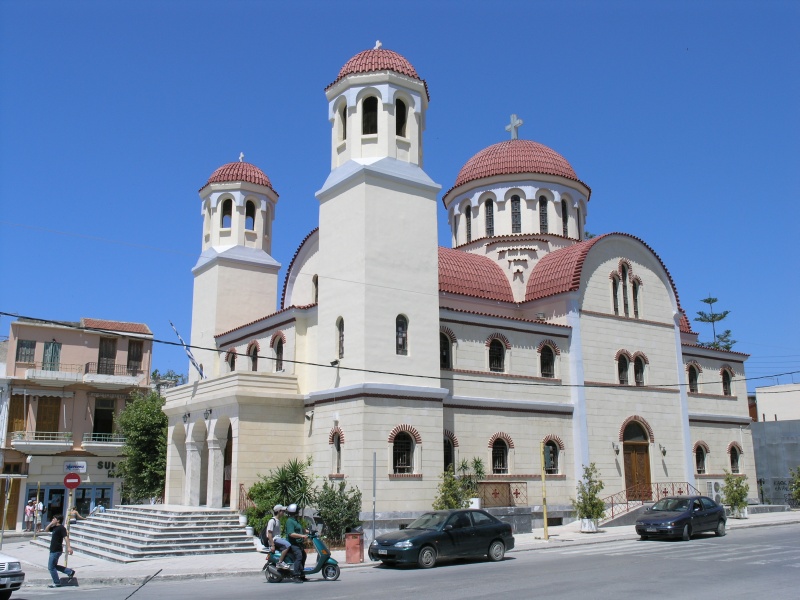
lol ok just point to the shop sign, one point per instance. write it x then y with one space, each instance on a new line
75 466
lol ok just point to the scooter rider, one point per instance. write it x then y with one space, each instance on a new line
273 535
296 535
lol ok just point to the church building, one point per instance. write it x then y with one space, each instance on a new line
379 344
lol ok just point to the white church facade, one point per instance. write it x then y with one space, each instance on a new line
525 331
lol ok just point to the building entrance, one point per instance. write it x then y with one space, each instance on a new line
636 457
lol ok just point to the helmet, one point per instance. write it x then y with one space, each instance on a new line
291 509
278 508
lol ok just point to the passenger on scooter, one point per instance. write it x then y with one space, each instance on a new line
273 538
296 535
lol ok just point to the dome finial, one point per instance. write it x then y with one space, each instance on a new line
241 156
377 45
514 125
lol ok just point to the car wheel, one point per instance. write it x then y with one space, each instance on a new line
497 550
687 533
331 572
427 557
643 537
720 530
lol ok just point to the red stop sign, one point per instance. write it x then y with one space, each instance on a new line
72 481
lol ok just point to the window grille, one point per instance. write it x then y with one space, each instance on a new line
564 219
26 350
622 370
107 356
402 453
692 379
726 383
468 217
734 460
638 371
135 353
625 289
615 293
340 328
547 360
551 458
449 456
496 356
516 215
401 326
52 356
279 355
700 461
635 294
489 218
445 361
542 214
499 457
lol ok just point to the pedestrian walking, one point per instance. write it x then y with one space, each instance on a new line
29 510
58 539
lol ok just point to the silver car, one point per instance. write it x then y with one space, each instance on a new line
11 575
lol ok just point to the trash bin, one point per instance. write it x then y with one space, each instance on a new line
354 547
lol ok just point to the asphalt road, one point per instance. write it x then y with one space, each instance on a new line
750 563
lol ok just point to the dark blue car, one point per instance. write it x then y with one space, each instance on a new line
681 517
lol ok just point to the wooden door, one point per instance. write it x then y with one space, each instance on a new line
637 470
13 502
47 414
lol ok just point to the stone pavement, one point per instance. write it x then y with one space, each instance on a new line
94 571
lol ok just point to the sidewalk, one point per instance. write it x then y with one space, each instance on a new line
94 571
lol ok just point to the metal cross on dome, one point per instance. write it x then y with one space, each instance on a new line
241 156
514 125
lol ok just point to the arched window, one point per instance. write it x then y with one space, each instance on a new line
634 432
468 217
516 215
499 457
635 293
449 454
726 383
227 214
232 361
489 208
445 357
315 288
497 355
340 331
279 354
254 358
564 219
700 460
579 223
735 455
343 123
542 214
615 294
337 451
403 453
401 328
638 371
250 216
625 289
551 458
622 369
369 116
400 118
692 379
547 361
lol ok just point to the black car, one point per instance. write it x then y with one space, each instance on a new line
444 534
681 516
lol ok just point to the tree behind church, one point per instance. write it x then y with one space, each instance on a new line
143 470
723 340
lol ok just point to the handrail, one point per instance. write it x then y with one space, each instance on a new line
245 501
110 438
54 367
119 370
41 436
635 496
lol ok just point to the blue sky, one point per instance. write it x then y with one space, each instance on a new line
681 116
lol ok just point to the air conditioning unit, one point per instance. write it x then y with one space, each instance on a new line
714 491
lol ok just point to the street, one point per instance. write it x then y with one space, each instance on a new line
744 564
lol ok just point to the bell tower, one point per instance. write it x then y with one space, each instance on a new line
235 278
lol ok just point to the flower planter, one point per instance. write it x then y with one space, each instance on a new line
242 520
588 525
739 513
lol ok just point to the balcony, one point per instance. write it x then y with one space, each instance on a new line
41 442
103 444
54 374
112 376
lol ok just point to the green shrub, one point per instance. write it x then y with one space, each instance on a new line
734 492
794 485
338 508
588 504
455 491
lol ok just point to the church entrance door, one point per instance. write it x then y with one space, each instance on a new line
636 458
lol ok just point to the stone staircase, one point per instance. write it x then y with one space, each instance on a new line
143 532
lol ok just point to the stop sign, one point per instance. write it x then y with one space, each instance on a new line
72 480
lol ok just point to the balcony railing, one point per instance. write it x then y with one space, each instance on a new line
103 438
635 496
118 370
41 436
56 367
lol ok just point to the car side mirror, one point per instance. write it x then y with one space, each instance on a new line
448 527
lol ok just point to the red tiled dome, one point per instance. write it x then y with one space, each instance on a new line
380 59
515 157
239 171
472 275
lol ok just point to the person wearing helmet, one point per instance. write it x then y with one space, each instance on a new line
297 536
271 536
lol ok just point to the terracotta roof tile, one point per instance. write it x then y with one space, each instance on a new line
239 171
120 326
376 60
472 275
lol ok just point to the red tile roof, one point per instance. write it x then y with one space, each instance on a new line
239 171
514 157
119 326
375 60
472 275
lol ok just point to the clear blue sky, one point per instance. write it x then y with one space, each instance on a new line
682 116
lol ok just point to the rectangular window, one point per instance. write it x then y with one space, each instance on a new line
47 414
516 215
106 361
25 351
135 351
51 361
16 414
104 415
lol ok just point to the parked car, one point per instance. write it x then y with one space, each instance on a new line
444 534
681 516
11 575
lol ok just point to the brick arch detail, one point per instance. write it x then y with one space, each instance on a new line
613 276
642 355
275 337
334 431
251 345
729 370
229 353
498 336
627 263
623 352
695 364
637 281
553 346
703 445
733 445
449 333
501 436
452 437
408 429
641 421
554 438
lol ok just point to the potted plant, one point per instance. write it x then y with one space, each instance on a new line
588 505
734 494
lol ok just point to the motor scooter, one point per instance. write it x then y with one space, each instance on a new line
325 563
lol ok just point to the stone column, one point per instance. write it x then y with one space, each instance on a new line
191 490
216 465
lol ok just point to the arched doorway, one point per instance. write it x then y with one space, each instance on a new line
636 457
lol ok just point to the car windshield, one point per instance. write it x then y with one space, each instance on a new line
671 504
429 521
